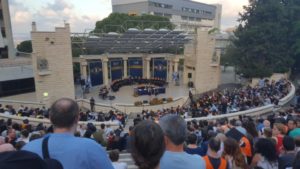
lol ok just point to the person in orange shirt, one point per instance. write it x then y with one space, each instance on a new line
212 159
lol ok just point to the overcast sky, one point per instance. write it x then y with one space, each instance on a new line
83 14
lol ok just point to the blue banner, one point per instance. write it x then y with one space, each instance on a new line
96 74
160 68
135 66
116 69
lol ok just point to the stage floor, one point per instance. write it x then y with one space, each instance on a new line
125 94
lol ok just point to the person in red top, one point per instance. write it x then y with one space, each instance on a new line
212 159
278 134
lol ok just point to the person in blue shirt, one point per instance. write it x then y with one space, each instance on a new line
73 152
175 130
192 147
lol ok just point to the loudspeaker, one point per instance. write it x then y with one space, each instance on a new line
189 75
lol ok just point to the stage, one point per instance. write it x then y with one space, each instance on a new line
125 95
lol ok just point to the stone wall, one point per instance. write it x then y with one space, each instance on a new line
55 76
203 61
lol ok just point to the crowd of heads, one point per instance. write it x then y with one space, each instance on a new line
244 142
227 101
271 141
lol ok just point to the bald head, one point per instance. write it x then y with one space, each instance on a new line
64 113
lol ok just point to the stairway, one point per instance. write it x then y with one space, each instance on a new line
126 158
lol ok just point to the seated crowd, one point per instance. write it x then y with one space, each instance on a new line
266 92
136 80
42 113
162 141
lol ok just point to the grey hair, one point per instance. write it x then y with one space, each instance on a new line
174 127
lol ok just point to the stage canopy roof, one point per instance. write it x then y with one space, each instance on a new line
136 41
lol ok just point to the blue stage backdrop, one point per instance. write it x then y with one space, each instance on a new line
96 73
135 66
160 68
116 68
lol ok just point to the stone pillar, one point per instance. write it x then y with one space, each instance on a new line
52 65
176 61
148 68
105 71
33 26
125 67
83 70
8 29
170 73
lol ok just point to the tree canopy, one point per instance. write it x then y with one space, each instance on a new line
265 40
118 22
25 46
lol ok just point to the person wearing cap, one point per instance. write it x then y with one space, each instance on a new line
73 152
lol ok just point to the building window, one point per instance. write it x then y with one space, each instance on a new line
3 32
158 14
184 17
196 11
191 18
160 5
168 15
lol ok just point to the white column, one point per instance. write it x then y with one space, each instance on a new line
83 71
105 71
125 67
148 68
170 73
176 61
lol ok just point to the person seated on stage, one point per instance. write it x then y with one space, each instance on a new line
103 92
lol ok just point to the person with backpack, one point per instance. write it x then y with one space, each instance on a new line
73 152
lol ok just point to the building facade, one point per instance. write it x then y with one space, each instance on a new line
185 14
7 49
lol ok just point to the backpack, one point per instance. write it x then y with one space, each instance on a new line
26 160
52 163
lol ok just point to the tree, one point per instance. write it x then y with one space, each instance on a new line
117 22
261 44
25 46
293 10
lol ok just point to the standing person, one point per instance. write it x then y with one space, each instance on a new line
233 154
175 131
278 134
212 159
92 104
192 147
286 159
265 155
73 152
147 145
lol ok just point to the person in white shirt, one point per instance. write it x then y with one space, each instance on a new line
114 157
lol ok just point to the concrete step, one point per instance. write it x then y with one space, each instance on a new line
126 158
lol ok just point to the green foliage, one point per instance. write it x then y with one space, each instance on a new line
117 22
263 43
25 46
213 30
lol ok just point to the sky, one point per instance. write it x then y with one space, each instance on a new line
83 14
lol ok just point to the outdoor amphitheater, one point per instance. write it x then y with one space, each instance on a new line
146 96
